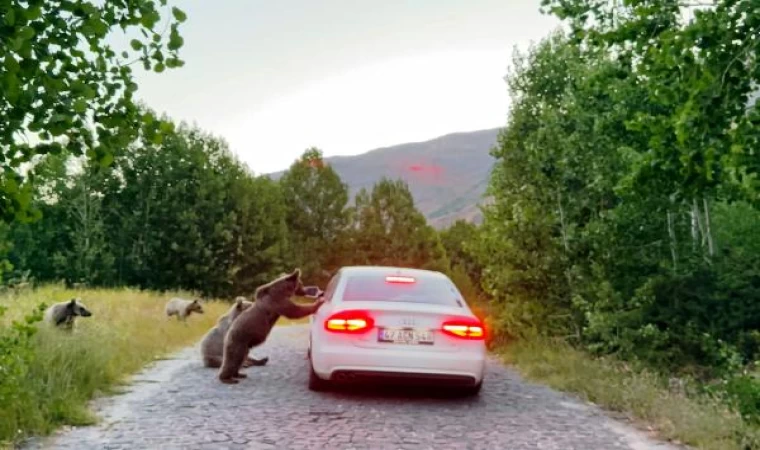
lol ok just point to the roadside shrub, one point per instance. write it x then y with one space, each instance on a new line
17 353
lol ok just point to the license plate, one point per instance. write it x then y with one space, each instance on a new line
409 336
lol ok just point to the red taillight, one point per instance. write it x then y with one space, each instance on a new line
399 279
465 329
349 322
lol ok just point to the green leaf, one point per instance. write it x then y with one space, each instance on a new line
10 17
80 106
150 19
98 26
159 67
33 13
88 9
135 44
59 118
11 64
179 14
89 93
166 126
35 126
16 43
106 160
10 83
175 40
26 33
174 62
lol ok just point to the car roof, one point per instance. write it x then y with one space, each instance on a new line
390 270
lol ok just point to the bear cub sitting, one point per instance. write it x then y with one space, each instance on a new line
212 345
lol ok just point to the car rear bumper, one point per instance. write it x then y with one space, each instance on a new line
349 363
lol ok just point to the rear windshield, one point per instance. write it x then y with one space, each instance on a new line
438 291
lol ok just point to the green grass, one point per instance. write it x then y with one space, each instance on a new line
127 330
642 396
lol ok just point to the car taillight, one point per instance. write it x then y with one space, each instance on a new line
349 322
464 329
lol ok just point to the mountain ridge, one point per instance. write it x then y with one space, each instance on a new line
447 175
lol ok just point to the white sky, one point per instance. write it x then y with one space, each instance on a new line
347 76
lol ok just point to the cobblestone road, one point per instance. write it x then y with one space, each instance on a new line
177 404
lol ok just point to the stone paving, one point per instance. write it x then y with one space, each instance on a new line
178 404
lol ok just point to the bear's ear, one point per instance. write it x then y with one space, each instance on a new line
295 275
72 302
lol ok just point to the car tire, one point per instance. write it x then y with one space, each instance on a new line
317 384
472 391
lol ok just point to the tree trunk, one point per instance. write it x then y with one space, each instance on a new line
672 235
562 222
708 230
694 213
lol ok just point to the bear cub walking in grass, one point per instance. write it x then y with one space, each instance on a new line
63 314
253 325
212 345
182 308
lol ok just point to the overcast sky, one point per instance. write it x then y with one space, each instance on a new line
347 76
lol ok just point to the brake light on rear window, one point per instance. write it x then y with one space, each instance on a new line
399 279
349 322
464 329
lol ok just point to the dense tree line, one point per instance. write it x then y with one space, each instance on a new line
185 213
624 214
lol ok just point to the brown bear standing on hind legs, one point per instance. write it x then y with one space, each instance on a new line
253 325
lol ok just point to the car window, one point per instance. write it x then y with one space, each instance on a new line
432 290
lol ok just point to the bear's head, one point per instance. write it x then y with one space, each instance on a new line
241 304
286 285
75 308
195 306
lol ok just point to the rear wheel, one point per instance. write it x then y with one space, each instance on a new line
472 391
315 383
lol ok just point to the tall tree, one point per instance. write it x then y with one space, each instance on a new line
186 213
387 229
700 63
316 201
63 86
86 257
460 241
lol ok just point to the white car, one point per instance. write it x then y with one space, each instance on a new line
399 324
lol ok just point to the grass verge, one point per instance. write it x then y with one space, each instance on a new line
63 372
642 396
